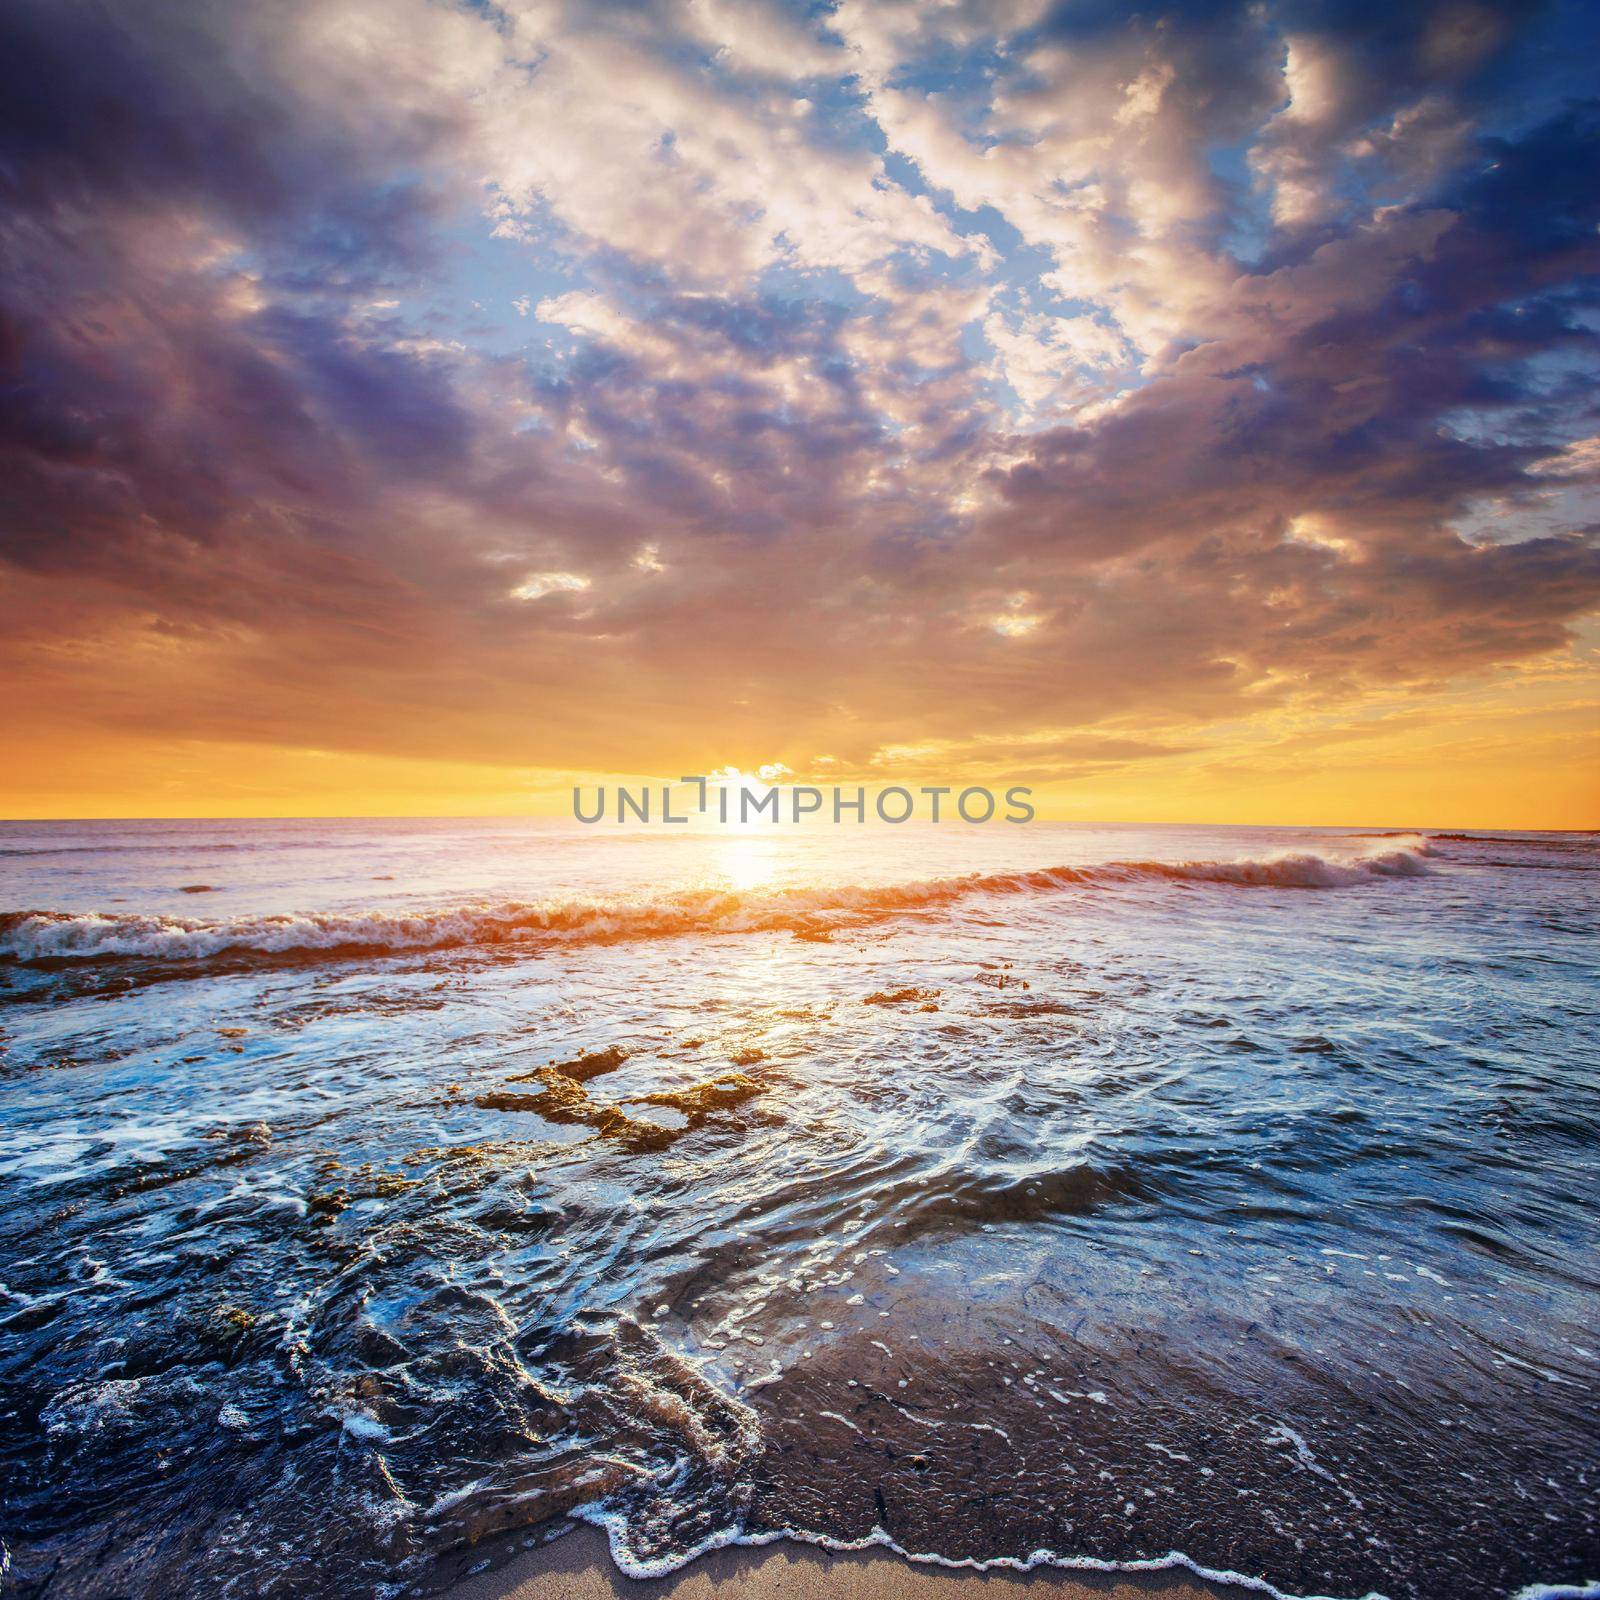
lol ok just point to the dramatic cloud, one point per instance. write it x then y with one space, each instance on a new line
646 387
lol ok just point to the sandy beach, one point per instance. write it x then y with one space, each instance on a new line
579 1567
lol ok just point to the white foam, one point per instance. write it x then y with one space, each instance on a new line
46 935
361 1426
614 1527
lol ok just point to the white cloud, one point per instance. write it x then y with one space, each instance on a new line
538 584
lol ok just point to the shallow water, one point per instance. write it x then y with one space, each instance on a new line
1098 1192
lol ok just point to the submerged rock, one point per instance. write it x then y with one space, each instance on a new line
632 1133
580 1069
700 1099
563 1100
901 997
560 1100
324 1205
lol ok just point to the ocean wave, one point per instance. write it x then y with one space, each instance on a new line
168 847
1554 841
66 936
614 1528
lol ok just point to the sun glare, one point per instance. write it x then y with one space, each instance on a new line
748 861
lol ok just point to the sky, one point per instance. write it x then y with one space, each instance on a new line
1186 410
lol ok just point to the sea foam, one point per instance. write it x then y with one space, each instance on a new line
58 936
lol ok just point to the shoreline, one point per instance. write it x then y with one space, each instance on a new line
578 1566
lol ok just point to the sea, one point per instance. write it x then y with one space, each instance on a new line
381 1198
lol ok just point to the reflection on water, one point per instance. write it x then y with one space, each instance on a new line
1236 1208
746 860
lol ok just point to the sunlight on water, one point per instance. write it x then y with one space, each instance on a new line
747 860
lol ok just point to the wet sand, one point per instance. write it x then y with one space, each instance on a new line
579 1567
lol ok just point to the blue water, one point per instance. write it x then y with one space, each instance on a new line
1101 1193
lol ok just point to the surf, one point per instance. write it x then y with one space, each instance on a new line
36 936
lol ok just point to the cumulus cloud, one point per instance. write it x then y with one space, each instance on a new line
897 376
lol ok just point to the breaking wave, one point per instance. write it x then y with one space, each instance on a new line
32 936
